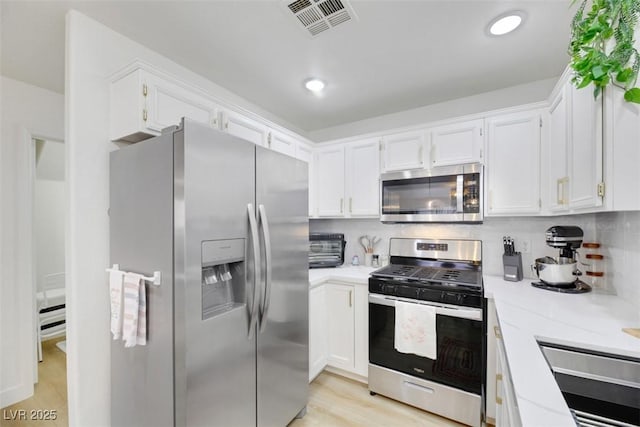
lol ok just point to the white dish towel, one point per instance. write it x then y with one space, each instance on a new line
134 323
115 291
415 329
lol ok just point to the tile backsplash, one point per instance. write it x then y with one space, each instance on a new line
618 232
619 235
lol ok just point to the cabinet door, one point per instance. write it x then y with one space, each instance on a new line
361 330
329 168
362 174
281 143
305 153
340 316
623 134
403 151
167 102
492 379
244 127
457 143
318 345
513 164
585 149
556 152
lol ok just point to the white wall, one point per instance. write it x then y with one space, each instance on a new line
490 232
26 110
49 214
508 97
93 54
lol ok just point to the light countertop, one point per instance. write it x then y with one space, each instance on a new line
357 275
526 315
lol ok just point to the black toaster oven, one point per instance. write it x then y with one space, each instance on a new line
326 250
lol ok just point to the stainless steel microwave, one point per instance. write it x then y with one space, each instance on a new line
444 194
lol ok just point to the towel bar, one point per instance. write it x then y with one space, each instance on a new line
156 279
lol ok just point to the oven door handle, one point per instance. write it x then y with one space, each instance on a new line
451 311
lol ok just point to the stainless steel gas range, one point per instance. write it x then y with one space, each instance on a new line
446 277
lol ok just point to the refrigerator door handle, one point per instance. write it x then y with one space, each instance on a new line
264 225
253 319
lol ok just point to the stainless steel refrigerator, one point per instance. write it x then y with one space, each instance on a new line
225 222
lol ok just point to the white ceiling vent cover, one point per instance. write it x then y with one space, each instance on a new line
317 16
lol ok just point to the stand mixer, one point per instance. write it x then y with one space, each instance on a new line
560 274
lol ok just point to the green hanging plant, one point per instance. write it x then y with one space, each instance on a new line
597 59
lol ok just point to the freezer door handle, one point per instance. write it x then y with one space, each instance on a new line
264 225
255 243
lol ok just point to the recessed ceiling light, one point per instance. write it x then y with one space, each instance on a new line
505 23
314 85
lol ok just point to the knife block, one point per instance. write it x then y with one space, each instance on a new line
512 267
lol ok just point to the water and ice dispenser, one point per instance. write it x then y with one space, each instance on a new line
222 276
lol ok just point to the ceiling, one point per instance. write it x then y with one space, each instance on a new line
397 55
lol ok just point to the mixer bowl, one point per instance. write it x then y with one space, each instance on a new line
563 272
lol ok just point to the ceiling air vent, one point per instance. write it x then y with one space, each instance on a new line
317 16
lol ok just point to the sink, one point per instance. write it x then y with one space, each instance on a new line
600 389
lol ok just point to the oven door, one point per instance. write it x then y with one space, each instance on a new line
459 357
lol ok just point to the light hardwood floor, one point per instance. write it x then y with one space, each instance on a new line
335 401
50 393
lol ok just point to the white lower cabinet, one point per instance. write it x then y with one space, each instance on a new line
339 329
318 338
504 404
491 379
341 325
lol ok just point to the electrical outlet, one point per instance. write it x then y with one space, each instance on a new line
525 246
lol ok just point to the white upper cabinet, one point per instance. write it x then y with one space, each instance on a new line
457 143
346 179
362 172
403 151
513 164
243 127
585 150
281 142
623 151
329 181
305 153
142 104
573 150
556 151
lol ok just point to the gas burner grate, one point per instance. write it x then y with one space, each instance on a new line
397 270
457 276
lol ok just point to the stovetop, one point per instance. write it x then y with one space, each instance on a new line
444 273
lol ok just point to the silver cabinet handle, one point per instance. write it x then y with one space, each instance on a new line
256 268
350 204
350 299
341 203
420 155
266 238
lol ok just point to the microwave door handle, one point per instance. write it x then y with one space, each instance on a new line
459 193
463 313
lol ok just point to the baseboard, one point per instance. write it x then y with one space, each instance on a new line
347 374
15 394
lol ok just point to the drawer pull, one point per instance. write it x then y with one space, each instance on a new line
419 387
496 331
498 398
